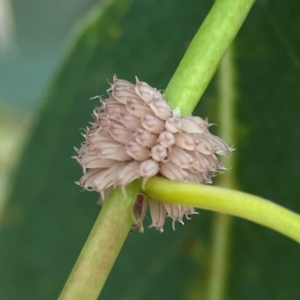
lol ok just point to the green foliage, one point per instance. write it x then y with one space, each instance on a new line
47 219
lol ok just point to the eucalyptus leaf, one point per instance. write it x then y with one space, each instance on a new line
47 218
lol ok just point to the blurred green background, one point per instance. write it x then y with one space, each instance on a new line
54 56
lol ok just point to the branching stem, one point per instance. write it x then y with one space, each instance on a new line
102 246
205 52
231 202
184 91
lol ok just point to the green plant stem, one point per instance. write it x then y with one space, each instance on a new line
205 53
102 246
184 91
218 263
231 202
218 266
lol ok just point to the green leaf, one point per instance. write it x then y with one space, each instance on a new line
265 263
47 218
